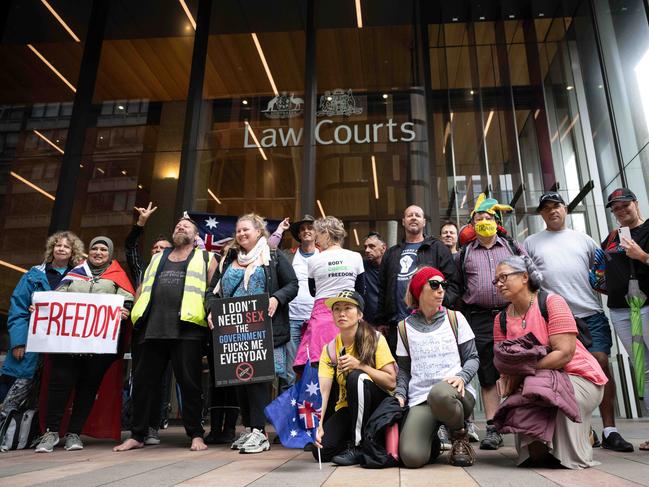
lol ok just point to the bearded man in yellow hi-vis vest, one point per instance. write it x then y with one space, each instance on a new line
169 311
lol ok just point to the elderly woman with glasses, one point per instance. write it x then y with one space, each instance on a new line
437 359
518 280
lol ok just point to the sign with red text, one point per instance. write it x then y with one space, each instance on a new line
243 341
74 322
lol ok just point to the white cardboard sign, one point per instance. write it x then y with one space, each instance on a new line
74 322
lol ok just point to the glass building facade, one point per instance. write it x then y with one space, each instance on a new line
354 108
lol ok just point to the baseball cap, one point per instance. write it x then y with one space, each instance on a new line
549 196
352 297
621 194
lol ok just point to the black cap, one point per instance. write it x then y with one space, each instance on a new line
350 296
549 196
621 194
294 228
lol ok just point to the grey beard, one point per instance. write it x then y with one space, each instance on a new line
181 239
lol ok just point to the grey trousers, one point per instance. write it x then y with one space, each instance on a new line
443 406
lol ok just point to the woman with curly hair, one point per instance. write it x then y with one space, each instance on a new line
63 251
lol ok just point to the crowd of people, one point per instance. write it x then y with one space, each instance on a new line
415 322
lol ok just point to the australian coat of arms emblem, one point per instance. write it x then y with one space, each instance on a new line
284 105
338 102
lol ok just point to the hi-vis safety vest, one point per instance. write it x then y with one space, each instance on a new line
192 308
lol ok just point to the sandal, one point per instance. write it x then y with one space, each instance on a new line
644 446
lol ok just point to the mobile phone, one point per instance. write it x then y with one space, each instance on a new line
625 232
343 351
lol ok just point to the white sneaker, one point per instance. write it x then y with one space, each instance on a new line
472 432
47 442
444 440
238 443
257 442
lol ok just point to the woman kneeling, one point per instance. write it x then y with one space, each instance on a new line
437 359
360 360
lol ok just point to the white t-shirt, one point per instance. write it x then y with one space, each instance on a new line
334 271
301 306
433 356
564 259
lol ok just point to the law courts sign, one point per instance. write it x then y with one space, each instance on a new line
334 103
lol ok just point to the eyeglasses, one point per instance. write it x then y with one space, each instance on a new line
434 285
502 278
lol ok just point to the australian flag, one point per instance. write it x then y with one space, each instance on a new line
295 413
216 231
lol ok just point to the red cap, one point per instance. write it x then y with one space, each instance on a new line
420 279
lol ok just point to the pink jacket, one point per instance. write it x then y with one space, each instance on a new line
532 409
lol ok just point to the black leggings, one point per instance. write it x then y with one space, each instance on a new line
224 405
81 373
346 426
253 398
186 361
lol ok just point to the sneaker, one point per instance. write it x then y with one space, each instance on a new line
472 432
462 454
492 440
444 441
152 437
351 456
238 443
257 442
47 442
594 439
615 442
164 424
73 442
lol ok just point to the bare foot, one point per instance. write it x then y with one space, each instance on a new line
198 445
129 444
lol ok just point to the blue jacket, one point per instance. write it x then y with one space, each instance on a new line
18 322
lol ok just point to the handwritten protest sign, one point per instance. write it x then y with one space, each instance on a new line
74 323
243 341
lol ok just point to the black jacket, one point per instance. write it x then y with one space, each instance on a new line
374 453
433 253
618 267
281 283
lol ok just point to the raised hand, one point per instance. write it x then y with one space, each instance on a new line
145 213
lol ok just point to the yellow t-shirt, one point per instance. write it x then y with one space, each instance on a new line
382 357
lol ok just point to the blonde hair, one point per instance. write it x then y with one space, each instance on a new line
333 227
75 242
258 223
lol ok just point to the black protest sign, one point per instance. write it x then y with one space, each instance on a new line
243 341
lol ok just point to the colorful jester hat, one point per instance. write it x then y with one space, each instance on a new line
491 206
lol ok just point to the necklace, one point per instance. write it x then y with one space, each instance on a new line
529 306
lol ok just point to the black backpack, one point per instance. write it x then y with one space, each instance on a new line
583 332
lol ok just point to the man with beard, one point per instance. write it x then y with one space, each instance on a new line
170 312
399 264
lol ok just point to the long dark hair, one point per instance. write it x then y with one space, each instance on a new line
365 343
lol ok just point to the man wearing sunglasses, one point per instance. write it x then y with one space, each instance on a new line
481 302
564 257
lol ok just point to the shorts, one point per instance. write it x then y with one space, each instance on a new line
600 330
482 324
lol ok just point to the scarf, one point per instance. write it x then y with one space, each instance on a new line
258 255
114 272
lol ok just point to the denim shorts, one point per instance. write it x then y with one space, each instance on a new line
600 330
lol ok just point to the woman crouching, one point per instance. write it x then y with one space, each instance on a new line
437 359
360 360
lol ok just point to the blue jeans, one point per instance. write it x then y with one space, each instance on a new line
291 349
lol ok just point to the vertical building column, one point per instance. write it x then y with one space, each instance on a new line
422 44
307 183
188 156
81 112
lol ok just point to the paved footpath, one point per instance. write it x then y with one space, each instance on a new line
171 463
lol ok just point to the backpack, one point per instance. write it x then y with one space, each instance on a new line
452 318
513 248
18 429
583 332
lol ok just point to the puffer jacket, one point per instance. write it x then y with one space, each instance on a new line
532 409
33 281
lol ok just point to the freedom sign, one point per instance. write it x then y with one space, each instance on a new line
74 322
243 341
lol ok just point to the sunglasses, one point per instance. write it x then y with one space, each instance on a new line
434 285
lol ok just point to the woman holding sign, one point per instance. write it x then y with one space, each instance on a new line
250 267
360 362
100 274
63 250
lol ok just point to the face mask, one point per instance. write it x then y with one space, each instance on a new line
486 228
